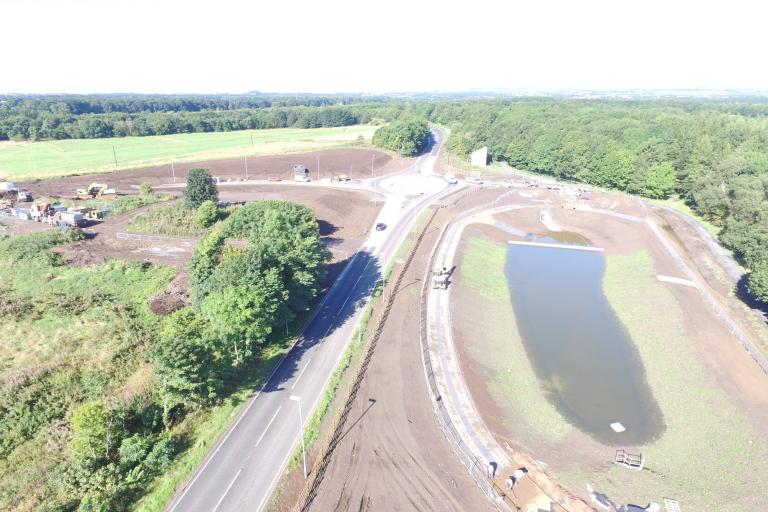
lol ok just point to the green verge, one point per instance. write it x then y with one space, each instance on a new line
338 379
709 453
31 160
499 352
206 428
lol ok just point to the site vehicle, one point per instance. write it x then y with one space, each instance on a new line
274 178
340 177
440 278
95 190
450 178
381 226
23 196
74 219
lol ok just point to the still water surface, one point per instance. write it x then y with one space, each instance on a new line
581 352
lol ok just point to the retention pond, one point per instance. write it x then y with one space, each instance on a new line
581 352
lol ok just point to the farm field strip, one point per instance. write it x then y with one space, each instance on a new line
29 160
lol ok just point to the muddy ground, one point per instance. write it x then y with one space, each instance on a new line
355 163
394 456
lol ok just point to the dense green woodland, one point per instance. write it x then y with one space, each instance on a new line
98 396
407 136
99 116
714 155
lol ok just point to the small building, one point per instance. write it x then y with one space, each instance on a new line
479 157
300 173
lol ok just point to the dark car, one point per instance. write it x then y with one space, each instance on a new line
381 226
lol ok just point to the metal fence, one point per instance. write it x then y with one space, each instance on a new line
475 468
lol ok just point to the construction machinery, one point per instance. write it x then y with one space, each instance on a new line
440 278
340 178
95 190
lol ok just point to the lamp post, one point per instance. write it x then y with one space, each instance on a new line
301 433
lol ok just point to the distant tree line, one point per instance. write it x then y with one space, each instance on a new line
90 117
407 136
714 155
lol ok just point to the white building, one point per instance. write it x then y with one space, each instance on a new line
479 157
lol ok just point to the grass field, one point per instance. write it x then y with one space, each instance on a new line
706 433
30 160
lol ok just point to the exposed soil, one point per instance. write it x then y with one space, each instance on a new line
174 297
355 163
394 456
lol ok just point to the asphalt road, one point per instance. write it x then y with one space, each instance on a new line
242 469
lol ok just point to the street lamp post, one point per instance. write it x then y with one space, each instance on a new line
301 433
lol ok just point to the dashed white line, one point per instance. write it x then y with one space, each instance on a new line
300 374
225 492
268 425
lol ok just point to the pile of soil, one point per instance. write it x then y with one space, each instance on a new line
173 298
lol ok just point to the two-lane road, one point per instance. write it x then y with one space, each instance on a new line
243 468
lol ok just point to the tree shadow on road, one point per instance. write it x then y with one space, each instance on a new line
348 294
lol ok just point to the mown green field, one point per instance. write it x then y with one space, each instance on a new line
706 433
30 160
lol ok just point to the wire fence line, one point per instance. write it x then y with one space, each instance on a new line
748 345
318 469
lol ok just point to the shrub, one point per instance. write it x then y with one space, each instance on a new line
207 213
200 188
145 189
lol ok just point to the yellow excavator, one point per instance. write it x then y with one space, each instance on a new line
95 190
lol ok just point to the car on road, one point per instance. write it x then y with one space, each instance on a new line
450 178
381 226
274 178
474 180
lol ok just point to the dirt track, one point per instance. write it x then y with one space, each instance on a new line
355 163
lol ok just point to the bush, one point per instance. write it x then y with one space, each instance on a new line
408 137
200 188
207 213
145 189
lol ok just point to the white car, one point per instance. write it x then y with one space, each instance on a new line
450 178
474 180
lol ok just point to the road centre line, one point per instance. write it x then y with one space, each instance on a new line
225 492
267 428
300 374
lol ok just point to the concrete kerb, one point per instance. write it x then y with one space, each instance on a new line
462 450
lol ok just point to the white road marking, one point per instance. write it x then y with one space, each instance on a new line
300 374
268 425
269 493
225 492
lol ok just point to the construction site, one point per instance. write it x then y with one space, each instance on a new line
447 400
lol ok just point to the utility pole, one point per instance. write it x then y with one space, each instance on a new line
173 172
372 159
114 154
246 168
301 433
318 167
251 138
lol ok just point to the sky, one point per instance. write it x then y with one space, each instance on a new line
324 46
